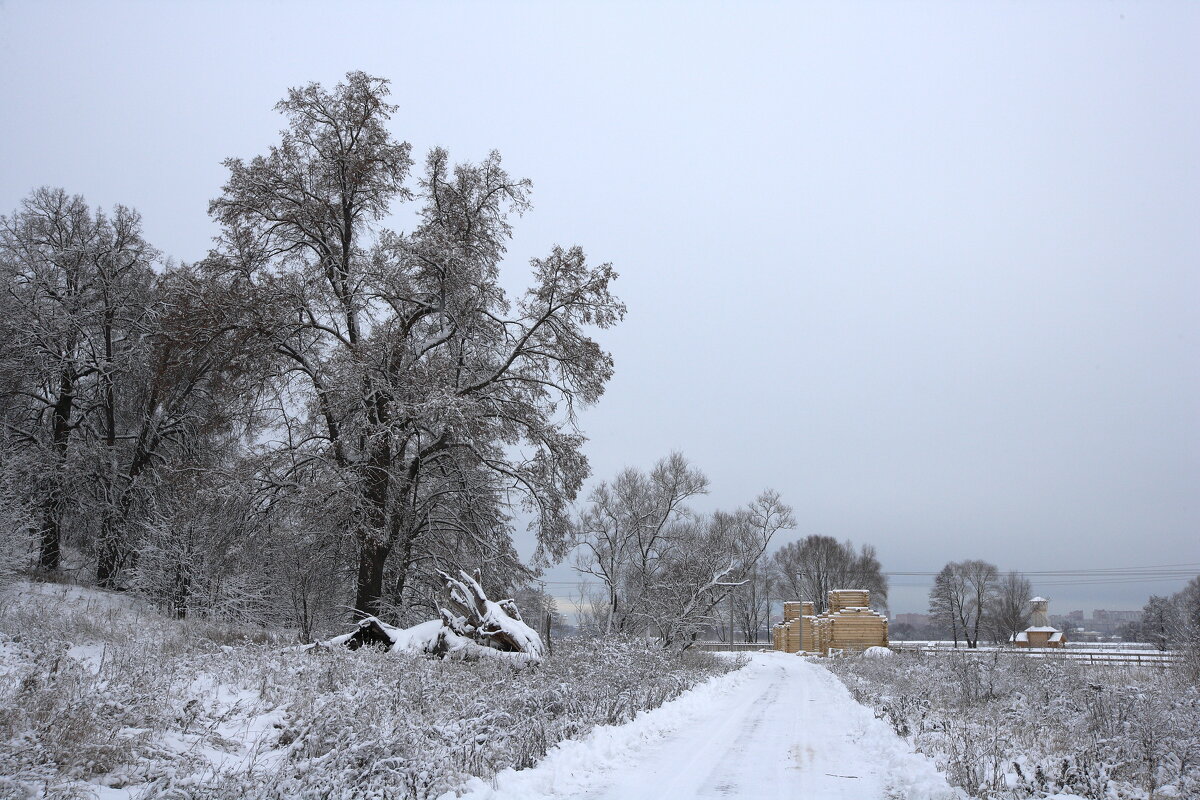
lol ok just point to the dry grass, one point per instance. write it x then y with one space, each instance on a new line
96 687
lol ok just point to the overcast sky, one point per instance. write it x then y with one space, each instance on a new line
932 271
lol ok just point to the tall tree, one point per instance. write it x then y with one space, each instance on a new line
429 398
187 400
808 569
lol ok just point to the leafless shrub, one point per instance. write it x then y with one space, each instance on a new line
1009 728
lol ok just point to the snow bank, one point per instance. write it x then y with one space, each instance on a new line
878 652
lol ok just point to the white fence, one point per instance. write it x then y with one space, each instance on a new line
732 647
1100 657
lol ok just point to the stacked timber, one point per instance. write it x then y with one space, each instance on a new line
793 636
821 633
795 633
857 628
849 625
848 598
808 624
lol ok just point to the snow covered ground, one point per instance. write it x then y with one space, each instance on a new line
102 696
782 726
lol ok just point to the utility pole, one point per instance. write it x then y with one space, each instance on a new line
731 621
800 583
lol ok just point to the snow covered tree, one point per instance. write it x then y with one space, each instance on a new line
1160 621
184 387
664 569
75 286
1187 602
703 561
426 396
809 568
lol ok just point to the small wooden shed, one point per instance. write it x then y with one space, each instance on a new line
1040 632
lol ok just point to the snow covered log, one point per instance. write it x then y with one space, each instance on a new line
493 624
474 627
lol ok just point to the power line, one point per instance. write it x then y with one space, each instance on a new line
1092 576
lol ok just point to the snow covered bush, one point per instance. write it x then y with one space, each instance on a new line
1007 727
374 724
100 689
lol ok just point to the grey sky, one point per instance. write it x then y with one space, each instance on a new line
929 270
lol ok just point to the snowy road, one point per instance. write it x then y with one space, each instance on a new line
781 727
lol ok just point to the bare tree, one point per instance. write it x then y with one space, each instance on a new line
808 569
945 597
1160 621
664 569
703 561
962 596
620 533
751 602
1009 614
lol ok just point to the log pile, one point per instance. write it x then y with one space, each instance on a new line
797 631
848 598
854 629
849 625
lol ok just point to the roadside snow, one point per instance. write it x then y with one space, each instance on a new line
779 727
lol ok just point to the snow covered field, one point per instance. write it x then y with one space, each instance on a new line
101 696
1011 728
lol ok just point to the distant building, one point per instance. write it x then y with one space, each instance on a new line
1040 633
1110 622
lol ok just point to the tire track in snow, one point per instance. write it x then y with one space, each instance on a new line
781 727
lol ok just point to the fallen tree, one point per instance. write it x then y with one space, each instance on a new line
472 627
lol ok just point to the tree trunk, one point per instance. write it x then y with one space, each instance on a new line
50 550
50 547
107 556
373 552
372 555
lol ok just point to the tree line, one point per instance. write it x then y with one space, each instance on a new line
972 600
322 412
325 413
